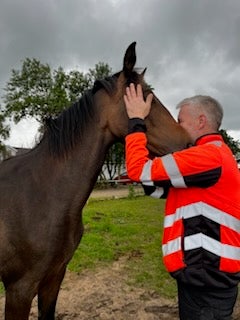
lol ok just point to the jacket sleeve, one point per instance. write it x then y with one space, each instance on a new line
197 166
154 191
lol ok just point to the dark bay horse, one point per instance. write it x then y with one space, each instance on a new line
43 192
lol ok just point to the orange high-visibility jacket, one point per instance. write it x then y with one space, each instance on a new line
201 241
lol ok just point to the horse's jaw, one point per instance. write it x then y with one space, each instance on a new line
160 151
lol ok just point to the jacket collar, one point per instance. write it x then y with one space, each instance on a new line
209 138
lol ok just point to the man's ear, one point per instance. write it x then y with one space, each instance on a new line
202 121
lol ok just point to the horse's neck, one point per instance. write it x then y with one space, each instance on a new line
89 158
76 175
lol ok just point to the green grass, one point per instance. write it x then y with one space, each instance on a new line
129 227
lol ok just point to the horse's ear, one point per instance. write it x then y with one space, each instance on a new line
129 59
143 72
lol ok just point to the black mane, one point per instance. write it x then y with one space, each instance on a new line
63 132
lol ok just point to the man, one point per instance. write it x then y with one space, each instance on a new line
201 241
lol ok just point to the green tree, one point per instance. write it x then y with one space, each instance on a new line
234 145
114 162
37 91
4 131
27 91
76 85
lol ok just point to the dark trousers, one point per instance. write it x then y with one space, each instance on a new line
204 303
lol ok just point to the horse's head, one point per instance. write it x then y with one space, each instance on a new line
163 132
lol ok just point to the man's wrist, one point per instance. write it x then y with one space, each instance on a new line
136 125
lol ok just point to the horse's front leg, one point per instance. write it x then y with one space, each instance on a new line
19 296
48 293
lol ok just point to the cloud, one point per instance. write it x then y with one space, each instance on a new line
189 47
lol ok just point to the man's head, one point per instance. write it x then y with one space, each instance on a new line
200 115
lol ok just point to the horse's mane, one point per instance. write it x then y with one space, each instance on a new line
62 133
65 131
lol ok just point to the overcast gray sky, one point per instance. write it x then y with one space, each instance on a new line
188 46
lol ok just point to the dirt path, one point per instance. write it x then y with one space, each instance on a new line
116 193
105 295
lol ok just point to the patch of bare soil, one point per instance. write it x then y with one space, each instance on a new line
104 294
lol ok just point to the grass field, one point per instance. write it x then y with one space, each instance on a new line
126 227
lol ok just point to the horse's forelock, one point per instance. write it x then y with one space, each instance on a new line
108 83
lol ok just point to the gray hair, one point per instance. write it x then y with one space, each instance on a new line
210 106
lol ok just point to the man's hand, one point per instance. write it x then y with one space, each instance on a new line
135 105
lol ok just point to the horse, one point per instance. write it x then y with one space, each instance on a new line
43 191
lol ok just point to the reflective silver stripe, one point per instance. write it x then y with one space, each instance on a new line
146 174
200 240
216 142
172 246
173 172
214 214
157 193
171 218
201 208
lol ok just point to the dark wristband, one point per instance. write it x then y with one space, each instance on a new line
136 125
